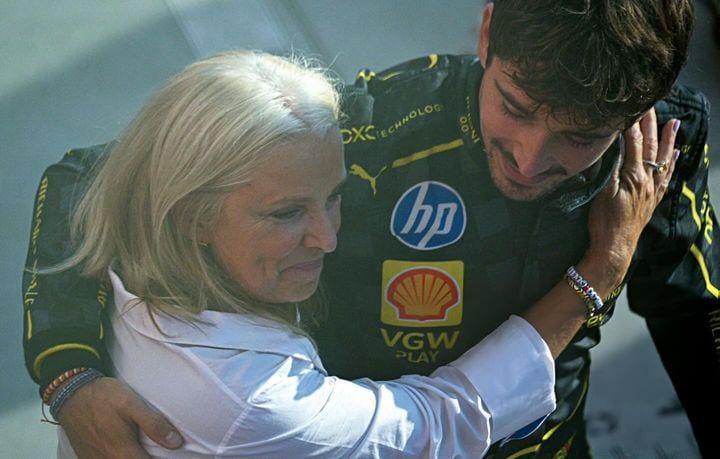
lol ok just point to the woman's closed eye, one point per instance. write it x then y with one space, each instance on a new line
287 214
334 199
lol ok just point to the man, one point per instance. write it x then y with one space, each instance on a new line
474 176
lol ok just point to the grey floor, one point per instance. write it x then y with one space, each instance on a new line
74 72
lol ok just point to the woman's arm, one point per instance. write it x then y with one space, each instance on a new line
451 400
498 387
283 404
617 219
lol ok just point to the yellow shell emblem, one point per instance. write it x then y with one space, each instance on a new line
422 293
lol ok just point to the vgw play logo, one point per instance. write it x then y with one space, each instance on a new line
428 216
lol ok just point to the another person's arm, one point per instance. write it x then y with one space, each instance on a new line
274 403
63 328
62 310
675 282
557 317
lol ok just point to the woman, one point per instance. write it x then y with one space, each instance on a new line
211 219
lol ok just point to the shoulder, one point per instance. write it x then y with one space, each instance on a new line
683 99
83 159
407 109
72 173
427 66
429 75
420 74
210 379
692 108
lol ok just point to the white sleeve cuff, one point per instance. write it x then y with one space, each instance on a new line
514 374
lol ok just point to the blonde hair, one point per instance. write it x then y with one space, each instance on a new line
195 141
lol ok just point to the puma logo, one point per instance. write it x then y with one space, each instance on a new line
356 169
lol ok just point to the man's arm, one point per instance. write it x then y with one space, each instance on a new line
63 327
676 282
62 324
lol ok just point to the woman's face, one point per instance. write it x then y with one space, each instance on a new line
273 233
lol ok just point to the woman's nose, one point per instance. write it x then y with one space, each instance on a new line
322 231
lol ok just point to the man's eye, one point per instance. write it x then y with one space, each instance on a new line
287 214
580 144
510 113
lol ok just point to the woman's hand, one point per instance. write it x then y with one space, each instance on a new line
616 220
624 207
103 417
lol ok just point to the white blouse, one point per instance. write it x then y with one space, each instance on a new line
240 386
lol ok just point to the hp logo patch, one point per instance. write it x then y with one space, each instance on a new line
428 216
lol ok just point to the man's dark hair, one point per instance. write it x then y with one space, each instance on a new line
594 61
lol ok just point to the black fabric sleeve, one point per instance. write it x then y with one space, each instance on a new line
676 284
62 311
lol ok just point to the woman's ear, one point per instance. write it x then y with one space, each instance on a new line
193 230
484 36
204 236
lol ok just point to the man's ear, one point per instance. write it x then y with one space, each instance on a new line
484 37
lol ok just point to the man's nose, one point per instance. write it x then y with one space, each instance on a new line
322 231
533 157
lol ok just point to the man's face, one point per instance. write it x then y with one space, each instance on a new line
529 152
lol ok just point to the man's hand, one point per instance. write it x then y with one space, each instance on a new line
102 419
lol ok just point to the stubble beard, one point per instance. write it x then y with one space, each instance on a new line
515 191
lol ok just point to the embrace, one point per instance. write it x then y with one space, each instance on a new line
493 207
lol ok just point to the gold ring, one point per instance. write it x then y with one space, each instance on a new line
658 168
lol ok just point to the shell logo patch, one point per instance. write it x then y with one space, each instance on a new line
429 215
422 294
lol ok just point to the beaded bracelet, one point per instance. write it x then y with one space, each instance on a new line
75 383
589 304
591 299
64 376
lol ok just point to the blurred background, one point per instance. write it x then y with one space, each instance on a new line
74 72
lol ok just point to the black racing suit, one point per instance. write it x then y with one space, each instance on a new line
432 257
